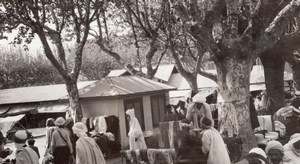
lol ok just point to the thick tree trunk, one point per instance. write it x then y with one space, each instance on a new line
75 111
233 100
296 76
192 80
274 80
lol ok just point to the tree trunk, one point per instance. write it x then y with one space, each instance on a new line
192 80
296 76
75 111
274 80
234 100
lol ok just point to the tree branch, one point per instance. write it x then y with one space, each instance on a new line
79 48
277 26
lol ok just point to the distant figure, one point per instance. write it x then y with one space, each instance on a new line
196 111
292 150
255 156
31 145
135 134
87 150
275 152
68 126
50 127
170 115
61 146
213 144
3 152
24 154
181 110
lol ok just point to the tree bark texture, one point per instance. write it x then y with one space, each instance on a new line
274 80
74 111
234 100
296 75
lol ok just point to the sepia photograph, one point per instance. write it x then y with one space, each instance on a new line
149 81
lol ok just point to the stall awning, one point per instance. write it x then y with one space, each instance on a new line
257 87
7 123
53 108
13 110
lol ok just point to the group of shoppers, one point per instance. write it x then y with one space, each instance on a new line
60 145
276 153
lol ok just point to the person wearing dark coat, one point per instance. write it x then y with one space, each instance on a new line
31 145
253 115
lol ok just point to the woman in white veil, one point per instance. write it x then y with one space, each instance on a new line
135 134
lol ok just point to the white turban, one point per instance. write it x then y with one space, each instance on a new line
258 151
274 145
79 128
259 154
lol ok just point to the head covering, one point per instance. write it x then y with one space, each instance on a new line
60 121
20 136
130 112
257 153
274 145
79 127
31 142
50 122
296 135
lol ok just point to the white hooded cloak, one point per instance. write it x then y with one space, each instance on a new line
135 134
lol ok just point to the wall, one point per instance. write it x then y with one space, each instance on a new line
98 107
147 113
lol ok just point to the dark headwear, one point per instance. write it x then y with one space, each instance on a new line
31 142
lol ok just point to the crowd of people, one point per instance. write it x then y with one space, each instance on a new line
276 153
66 143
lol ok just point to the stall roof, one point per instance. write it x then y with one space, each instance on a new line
53 108
164 72
37 93
17 109
124 85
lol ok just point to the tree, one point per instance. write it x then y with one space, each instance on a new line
18 69
234 33
55 21
274 60
143 26
97 64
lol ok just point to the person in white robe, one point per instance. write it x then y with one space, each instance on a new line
213 144
292 150
87 150
135 134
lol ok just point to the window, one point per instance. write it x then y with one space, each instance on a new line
137 104
158 104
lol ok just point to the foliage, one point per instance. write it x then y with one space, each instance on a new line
141 22
19 69
54 22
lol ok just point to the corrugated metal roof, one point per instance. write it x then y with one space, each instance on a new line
116 73
124 85
37 93
163 72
